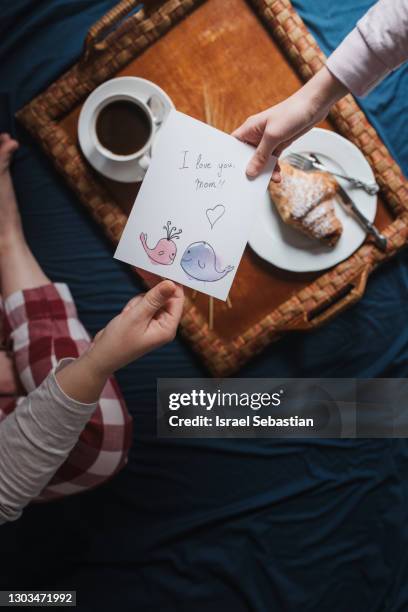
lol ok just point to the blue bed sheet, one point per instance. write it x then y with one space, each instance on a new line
204 524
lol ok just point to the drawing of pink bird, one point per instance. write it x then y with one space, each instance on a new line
165 250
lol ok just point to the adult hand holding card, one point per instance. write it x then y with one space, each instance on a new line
193 215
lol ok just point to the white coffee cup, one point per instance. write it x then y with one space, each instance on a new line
142 155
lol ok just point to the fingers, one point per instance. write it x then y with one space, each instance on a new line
174 307
132 303
251 130
276 174
157 297
7 144
241 132
169 317
262 154
255 131
244 133
4 137
12 146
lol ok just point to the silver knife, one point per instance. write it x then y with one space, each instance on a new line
370 228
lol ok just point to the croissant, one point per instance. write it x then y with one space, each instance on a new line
305 200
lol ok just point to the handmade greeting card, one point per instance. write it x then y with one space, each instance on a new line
192 217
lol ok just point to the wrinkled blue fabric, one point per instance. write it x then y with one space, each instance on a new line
211 524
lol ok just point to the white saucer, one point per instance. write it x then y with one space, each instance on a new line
287 248
126 171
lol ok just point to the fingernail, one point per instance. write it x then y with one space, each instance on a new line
167 288
251 170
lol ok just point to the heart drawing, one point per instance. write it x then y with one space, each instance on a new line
214 214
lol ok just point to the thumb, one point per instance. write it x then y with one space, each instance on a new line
262 155
157 297
241 132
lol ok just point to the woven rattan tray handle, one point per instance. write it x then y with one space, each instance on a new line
94 40
348 295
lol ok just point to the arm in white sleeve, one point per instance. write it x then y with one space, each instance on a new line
35 440
377 45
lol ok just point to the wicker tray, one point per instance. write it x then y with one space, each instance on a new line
246 56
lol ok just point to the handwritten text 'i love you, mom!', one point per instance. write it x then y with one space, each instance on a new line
197 163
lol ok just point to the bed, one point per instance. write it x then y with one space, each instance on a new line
212 524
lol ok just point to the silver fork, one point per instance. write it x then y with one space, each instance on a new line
306 163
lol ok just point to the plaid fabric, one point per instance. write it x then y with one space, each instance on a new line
42 327
1 324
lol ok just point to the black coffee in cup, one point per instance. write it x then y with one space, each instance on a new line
123 127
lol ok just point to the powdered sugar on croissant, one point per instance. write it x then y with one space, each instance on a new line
305 200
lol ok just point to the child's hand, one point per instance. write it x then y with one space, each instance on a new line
148 321
276 128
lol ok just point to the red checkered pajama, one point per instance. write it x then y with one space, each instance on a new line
41 326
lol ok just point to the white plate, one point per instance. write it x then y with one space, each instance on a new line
290 250
124 171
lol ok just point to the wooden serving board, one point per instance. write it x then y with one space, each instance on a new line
235 53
